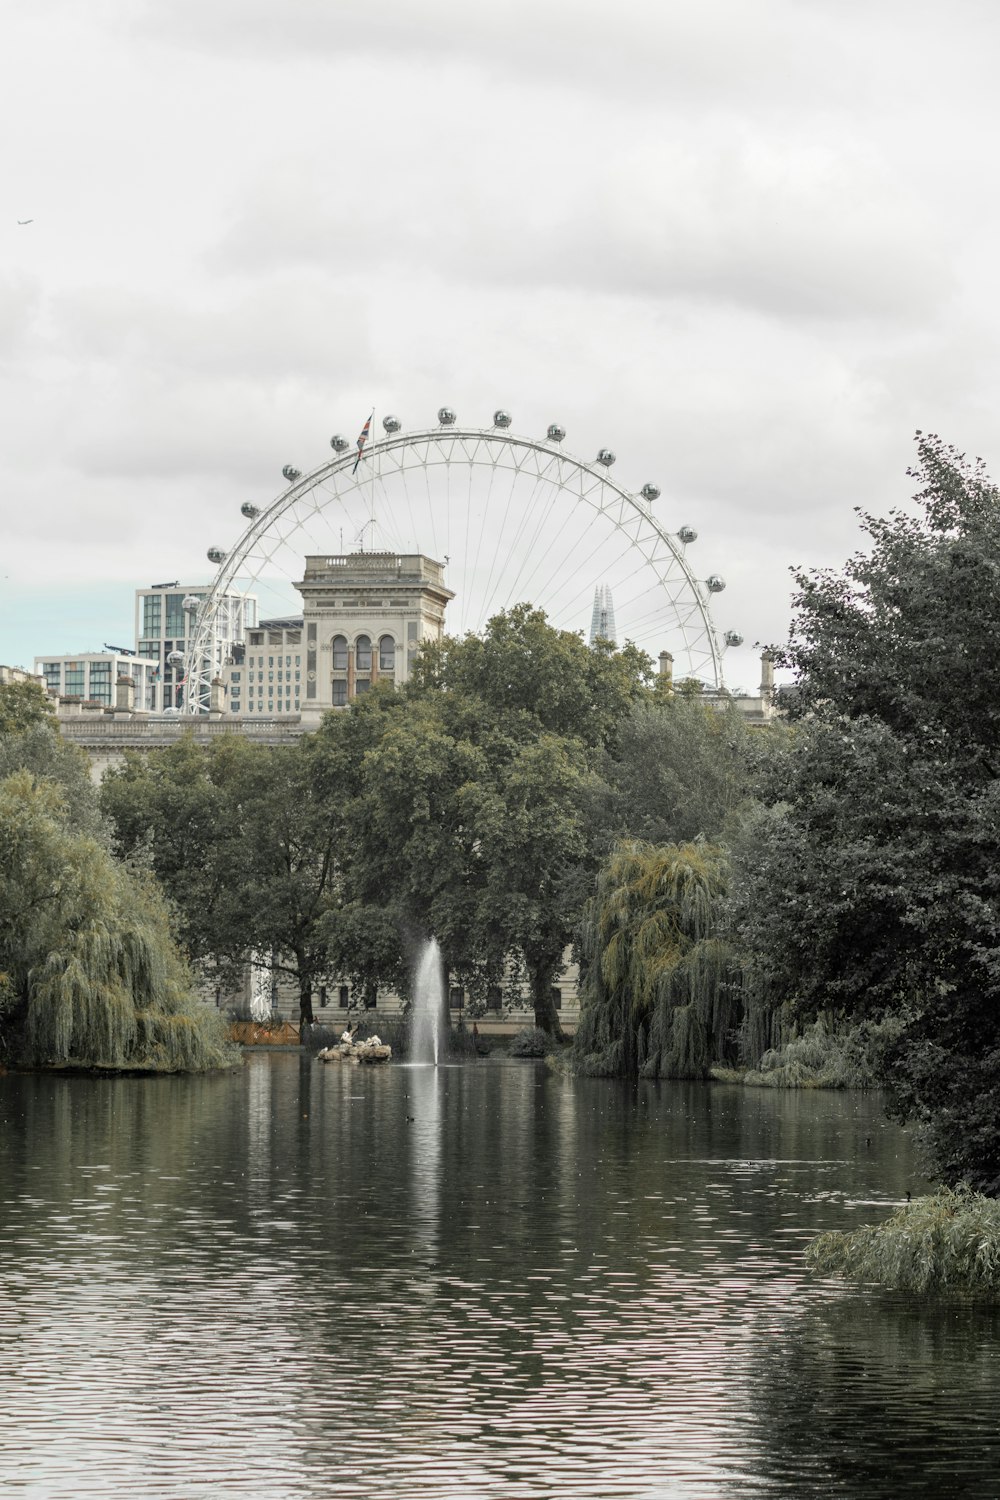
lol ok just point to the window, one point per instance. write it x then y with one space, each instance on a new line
151 615
363 653
556 994
339 653
494 997
235 677
387 654
456 997
361 686
176 623
322 997
343 997
339 686
270 661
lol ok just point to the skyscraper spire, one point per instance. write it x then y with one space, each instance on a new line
602 621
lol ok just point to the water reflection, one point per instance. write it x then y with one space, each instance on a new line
488 1280
423 1141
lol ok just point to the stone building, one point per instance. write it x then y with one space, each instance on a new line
364 616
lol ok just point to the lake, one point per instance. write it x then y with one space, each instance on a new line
482 1280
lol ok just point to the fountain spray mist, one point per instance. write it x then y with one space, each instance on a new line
428 1006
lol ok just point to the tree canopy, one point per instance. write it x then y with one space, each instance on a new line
23 704
876 890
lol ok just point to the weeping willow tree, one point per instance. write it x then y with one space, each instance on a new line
656 998
89 974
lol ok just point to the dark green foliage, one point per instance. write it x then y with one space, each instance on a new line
872 886
681 770
523 670
243 841
529 1042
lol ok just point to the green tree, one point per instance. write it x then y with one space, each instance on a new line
244 843
462 821
174 809
877 889
90 975
23 704
535 862
655 998
682 769
39 749
523 668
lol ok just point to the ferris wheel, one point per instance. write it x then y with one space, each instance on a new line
513 519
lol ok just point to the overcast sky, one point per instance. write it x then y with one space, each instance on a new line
751 245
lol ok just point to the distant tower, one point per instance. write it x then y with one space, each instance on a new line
602 621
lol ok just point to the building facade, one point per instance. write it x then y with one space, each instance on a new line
163 626
364 618
92 677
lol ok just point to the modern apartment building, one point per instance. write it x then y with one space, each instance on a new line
165 614
91 676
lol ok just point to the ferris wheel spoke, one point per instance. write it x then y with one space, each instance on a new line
544 530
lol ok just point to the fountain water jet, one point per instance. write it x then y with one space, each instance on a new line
428 1006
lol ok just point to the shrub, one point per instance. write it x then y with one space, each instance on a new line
531 1042
948 1243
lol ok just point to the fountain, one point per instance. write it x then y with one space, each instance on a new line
428 1006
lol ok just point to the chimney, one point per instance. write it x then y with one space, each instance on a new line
217 700
666 667
766 675
124 694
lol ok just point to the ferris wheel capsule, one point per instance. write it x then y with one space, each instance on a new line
687 534
715 583
291 473
733 638
650 492
191 603
555 433
174 658
606 457
216 555
502 418
391 424
446 416
339 443
250 511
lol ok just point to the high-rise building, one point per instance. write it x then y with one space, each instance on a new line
602 621
162 626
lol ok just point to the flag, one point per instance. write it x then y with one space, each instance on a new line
362 440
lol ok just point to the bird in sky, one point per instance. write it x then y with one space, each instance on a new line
26 221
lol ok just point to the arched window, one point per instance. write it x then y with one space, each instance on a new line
340 653
387 654
363 653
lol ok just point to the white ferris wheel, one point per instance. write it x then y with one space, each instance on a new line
513 519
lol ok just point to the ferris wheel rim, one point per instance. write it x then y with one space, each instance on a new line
442 437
